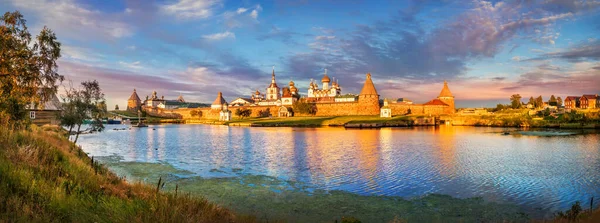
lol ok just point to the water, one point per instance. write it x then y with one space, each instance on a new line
539 173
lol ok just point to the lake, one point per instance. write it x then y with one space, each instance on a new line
540 172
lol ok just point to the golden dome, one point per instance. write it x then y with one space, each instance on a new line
325 79
291 83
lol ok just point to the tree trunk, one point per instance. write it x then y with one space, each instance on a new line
77 135
70 130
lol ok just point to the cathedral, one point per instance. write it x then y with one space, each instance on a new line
327 91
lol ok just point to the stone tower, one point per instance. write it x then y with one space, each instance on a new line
368 97
446 97
134 103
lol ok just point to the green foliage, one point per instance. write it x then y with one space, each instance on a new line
28 70
264 113
117 107
552 101
515 101
196 113
539 102
572 214
500 107
82 104
559 101
303 107
243 112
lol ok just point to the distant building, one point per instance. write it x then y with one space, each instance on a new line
588 101
327 91
154 101
403 101
447 97
473 111
386 111
242 102
346 98
134 103
177 104
289 94
572 102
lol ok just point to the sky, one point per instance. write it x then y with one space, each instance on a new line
486 50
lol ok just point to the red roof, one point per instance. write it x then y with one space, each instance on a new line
572 98
589 96
436 102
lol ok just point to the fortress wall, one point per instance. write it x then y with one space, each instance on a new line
417 109
370 107
256 109
207 113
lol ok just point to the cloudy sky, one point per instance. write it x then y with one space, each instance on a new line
487 51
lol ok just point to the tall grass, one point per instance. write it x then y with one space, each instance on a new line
46 178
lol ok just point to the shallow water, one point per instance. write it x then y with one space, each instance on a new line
540 174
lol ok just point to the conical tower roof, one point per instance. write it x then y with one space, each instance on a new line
368 87
445 91
219 100
180 98
134 96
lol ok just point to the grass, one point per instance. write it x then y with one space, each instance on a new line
46 178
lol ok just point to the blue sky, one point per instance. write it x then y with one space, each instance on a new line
487 51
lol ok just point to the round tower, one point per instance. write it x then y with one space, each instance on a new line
368 97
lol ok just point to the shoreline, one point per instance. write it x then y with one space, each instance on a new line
368 124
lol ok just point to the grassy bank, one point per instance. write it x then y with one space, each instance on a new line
46 178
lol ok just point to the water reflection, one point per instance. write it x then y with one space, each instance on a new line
546 172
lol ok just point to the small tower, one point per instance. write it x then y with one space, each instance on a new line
134 103
219 103
273 93
447 97
225 113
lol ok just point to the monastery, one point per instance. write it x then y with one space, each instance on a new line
278 102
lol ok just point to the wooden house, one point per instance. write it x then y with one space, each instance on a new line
572 102
588 101
46 114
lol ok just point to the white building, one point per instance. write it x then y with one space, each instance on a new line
386 111
154 101
242 102
327 90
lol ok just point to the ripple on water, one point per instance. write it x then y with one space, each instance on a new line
543 173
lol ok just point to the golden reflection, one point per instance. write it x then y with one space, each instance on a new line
368 141
150 142
446 137
325 152
278 149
